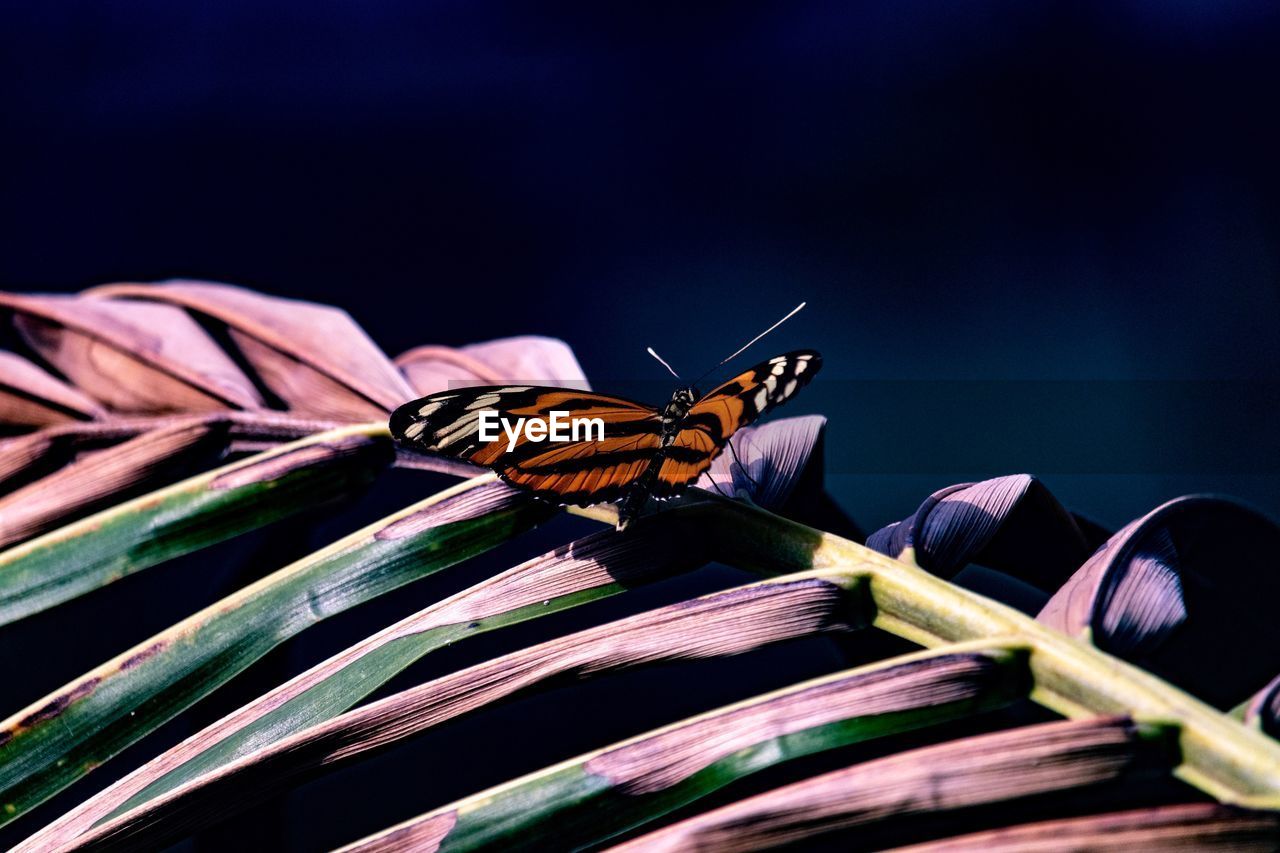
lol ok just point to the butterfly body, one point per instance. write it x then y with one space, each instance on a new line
674 413
642 451
638 492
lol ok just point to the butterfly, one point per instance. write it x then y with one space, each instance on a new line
639 452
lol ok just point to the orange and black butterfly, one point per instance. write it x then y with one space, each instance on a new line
643 452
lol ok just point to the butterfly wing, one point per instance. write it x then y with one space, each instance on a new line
580 473
589 472
735 404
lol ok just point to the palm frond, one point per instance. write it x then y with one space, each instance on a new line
151 421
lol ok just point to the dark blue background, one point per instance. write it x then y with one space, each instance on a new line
971 191
961 191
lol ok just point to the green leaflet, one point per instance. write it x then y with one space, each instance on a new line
193 514
594 567
589 799
50 744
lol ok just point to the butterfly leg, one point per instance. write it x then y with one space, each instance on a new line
637 494
632 505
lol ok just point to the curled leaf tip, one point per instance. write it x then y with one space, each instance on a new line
132 356
1131 596
525 359
767 463
1144 603
313 357
1011 523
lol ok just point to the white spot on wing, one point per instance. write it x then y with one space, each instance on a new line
779 368
790 389
429 409
802 364
762 398
456 430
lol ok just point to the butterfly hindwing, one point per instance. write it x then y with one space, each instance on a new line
728 408
574 472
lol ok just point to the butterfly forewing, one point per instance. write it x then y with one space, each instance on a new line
574 472
727 409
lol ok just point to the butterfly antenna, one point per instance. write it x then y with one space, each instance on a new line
747 345
663 362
